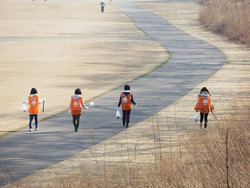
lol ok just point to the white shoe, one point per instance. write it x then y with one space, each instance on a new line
31 130
37 128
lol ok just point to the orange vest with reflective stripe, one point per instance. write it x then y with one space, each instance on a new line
34 104
76 106
126 101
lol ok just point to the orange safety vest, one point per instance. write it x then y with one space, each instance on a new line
34 104
126 101
76 106
204 104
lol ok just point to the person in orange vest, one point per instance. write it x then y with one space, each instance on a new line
34 108
75 107
126 100
204 106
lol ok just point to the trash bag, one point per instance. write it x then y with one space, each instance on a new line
118 115
196 116
23 108
91 103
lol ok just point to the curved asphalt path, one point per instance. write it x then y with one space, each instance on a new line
192 62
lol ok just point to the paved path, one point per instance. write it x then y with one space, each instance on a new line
192 62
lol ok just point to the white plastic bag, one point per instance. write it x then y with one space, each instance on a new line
196 116
23 108
118 115
91 103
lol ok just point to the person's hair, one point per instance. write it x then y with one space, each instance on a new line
126 87
78 91
205 89
33 91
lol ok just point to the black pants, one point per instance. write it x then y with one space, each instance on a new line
126 117
203 116
76 121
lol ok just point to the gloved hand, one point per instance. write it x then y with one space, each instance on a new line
87 108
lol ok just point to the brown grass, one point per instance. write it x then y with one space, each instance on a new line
217 157
75 46
230 18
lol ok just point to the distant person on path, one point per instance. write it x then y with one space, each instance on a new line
33 101
76 104
204 106
126 100
102 6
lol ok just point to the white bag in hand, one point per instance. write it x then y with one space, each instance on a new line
118 115
23 108
196 116
91 103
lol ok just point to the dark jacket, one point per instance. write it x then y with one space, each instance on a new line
127 93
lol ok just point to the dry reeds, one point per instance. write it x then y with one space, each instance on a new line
230 18
216 157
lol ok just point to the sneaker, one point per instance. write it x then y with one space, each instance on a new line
200 125
205 125
37 128
31 130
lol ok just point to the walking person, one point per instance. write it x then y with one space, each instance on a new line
34 108
102 6
204 106
76 104
126 100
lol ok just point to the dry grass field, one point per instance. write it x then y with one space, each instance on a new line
168 149
57 47
230 18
